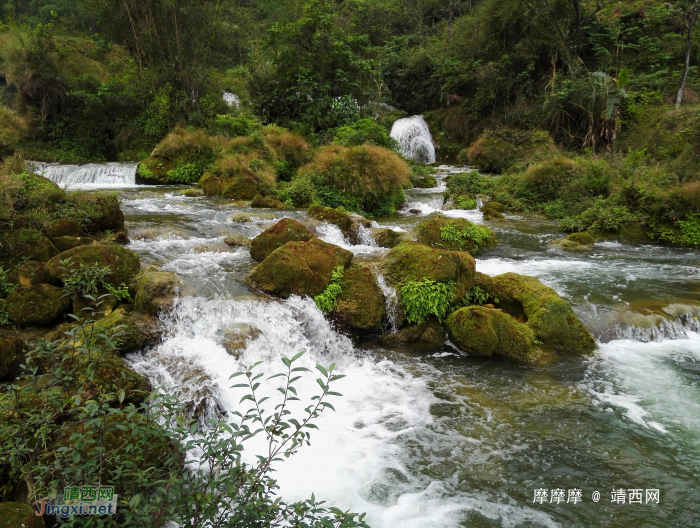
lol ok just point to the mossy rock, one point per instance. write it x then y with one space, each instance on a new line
413 261
95 211
360 306
584 239
31 273
154 170
299 268
114 374
64 243
36 305
269 202
236 240
24 244
63 227
155 291
136 330
286 230
19 515
388 238
37 191
455 234
431 332
123 262
493 211
244 217
7 356
544 311
332 216
482 331
423 181
191 193
571 244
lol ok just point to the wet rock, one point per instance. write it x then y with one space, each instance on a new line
300 268
24 244
123 262
493 211
414 211
192 193
31 273
349 224
251 217
431 332
361 306
114 374
154 170
99 211
212 248
64 243
162 233
482 331
237 337
388 238
63 227
286 230
413 261
455 234
17 514
120 238
236 240
36 305
155 290
545 312
269 202
7 356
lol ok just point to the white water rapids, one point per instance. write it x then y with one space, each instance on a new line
415 140
89 175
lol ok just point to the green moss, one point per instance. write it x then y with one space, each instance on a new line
269 202
464 201
15 515
30 273
24 244
94 211
286 230
332 216
455 234
360 305
499 149
328 298
155 290
584 239
36 305
123 263
7 356
63 227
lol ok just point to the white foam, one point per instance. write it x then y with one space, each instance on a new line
89 175
415 141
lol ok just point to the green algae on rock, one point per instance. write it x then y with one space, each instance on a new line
299 268
244 217
63 227
30 273
24 244
286 230
388 238
236 240
17 514
360 306
123 262
268 202
493 211
455 234
483 331
64 243
349 224
155 290
36 305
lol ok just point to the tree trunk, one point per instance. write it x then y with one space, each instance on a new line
691 23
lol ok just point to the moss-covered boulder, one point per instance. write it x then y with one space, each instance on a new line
575 242
360 306
483 331
19 515
431 332
236 240
63 227
299 268
36 305
413 261
114 374
154 170
542 309
237 337
131 331
349 224
455 234
242 176
286 230
500 148
268 202
64 243
388 238
493 211
155 290
7 356
30 273
37 191
24 244
244 217
123 262
96 211
191 193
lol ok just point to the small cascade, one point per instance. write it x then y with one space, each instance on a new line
90 174
674 325
365 236
231 99
413 135
391 300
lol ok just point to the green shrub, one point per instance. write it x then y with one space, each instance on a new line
233 126
421 176
468 183
459 236
425 298
365 131
87 280
6 288
499 149
464 202
187 173
328 299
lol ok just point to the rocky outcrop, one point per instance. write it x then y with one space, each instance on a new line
455 234
388 238
36 305
24 244
349 224
300 268
155 290
123 262
360 306
286 230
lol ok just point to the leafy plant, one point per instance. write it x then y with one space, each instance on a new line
458 236
421 299
187 173
465 202
478 295
328 299
121 293
6 287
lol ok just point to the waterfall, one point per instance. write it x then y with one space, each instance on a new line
414 138
90 174
391 300
231 99
365 236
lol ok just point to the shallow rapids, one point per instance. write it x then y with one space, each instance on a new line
427 437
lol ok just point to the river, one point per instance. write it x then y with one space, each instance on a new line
428 437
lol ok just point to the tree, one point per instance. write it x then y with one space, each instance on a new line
692 18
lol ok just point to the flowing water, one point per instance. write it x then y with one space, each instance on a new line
415 140
89 175
428 437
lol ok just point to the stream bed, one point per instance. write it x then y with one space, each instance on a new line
429 437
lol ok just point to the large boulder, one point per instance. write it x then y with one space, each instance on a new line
64 243
18 514
542 309
123 262
455 234
286 230
131 331
483 331
299 268
431 332
360 306
36 305
349 224
97 211
388 238
268 202
413 261
24 244
7 356
63 227
155 290
30 273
